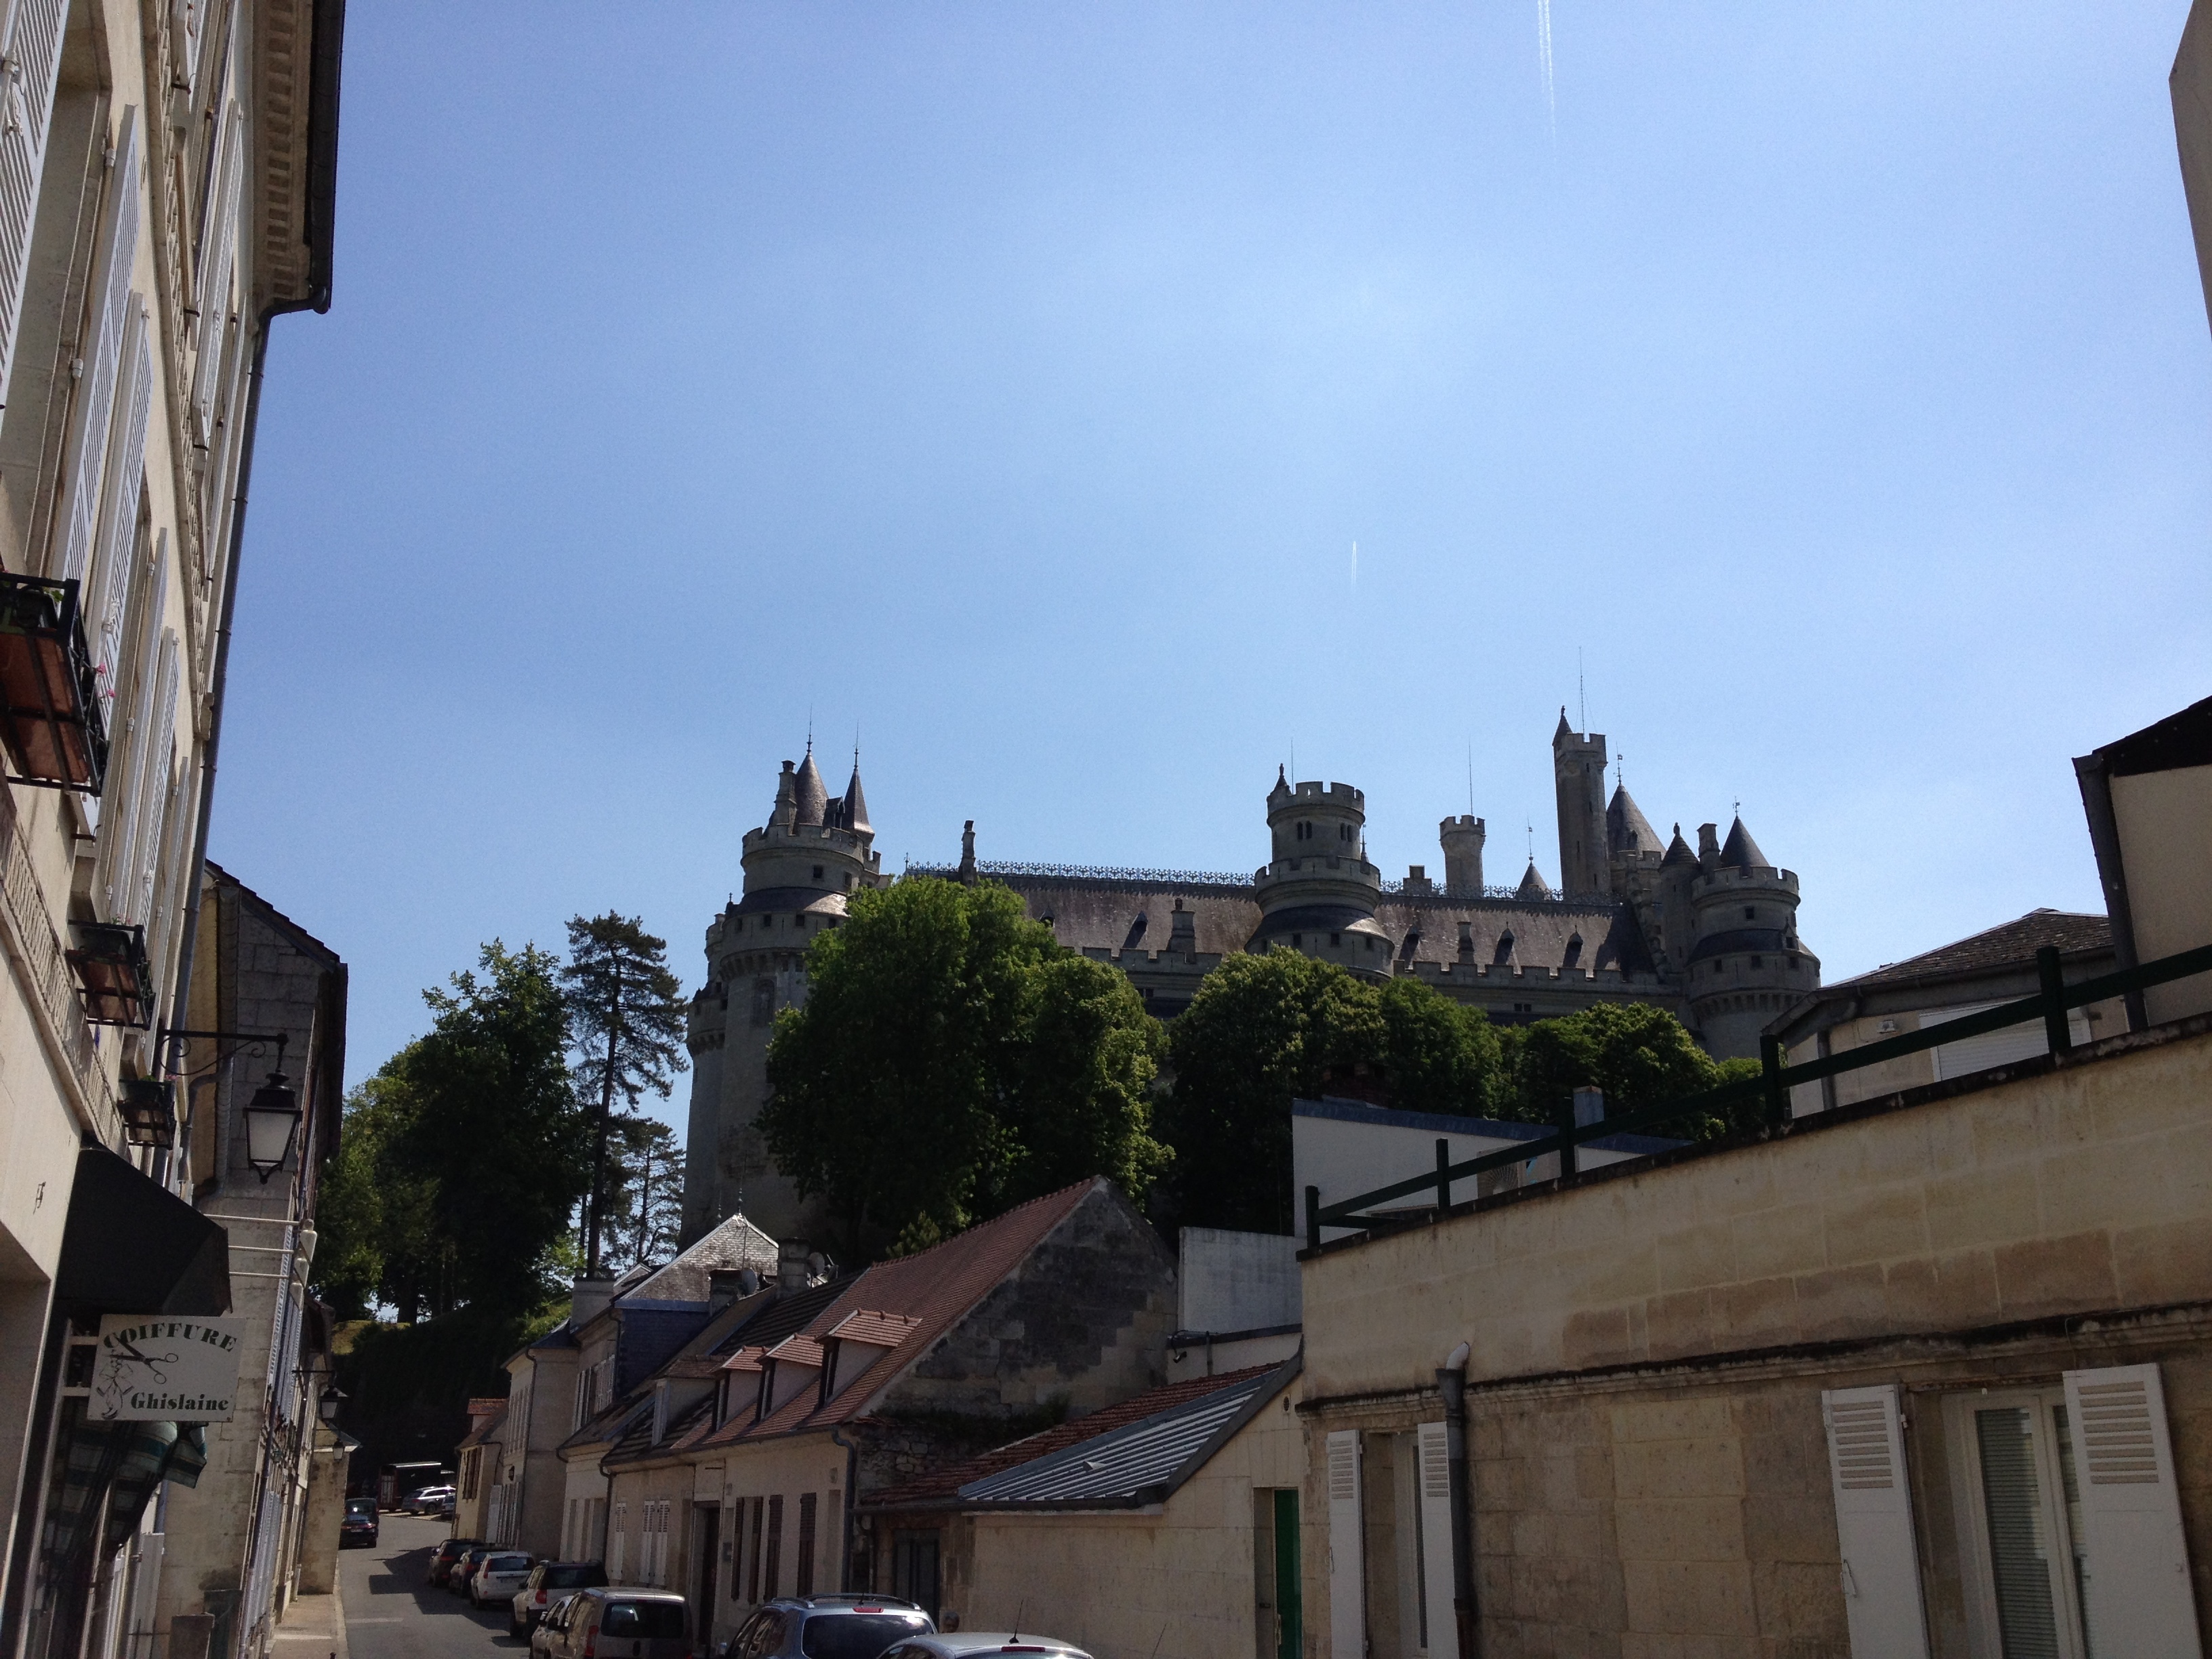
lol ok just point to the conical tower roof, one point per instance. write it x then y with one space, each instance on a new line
1678 850
1564 730
855 815
1627 828
1532 885
811 799
1739 851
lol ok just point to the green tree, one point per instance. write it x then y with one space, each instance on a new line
1082 1104
644 1193
1638 1053
626 1023
950 1059
492 1125
1438 1055
379 1244
1261 1031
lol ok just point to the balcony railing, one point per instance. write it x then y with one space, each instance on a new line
1771 1089
50 715
114 975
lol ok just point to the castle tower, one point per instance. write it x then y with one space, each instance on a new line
1462 838
1318 893
1578 773
1747 964
799 869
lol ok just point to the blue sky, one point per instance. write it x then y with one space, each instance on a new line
1012 383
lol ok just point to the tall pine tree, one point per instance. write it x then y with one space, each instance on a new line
626 1027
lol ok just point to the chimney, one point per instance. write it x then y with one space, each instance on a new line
587 1300
1467 941
791 1272
1709 847
1182 930
1589 1106
726 1285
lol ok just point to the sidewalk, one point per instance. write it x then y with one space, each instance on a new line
312 1627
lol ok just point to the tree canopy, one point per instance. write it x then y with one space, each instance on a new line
1638 1053
625 1024
950 1060
460 1163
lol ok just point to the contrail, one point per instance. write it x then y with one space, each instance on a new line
1544 62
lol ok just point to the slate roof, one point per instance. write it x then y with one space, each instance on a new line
1136 1452
1741 852
2005 946
933 1288
1627 828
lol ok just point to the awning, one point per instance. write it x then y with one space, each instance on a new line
133 1247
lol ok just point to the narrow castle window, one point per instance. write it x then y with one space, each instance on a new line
818 873
1750 914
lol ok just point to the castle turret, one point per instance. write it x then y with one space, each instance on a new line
1578 773
799 868
1747 964
1462 839
1318 893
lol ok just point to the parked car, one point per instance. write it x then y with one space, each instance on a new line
961 1644
826 1627
465 1569
546 1631
425 1500
503 1573
548 1582
359 1526
611 1622
446 1557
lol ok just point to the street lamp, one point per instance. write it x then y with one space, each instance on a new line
327 1408
273 1121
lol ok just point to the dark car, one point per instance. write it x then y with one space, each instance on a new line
464 1567
549 1583
359 1526
443 1558
828 1627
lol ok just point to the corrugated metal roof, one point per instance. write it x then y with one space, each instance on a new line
1123 1462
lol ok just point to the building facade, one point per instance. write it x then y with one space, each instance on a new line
1708 934
166 179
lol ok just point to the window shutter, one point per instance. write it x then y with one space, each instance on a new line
215 262
154 788
108 581
1436 1541
185 46
1874 1524
103 353
28 65
124 819
1347 1563
2139 1599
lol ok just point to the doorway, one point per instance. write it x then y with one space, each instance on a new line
709 1534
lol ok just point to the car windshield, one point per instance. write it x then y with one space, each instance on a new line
644 1619
510 1564
857 1635
573 1577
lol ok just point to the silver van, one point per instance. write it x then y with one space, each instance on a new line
616 1622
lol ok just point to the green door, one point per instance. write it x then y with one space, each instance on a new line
1287 1604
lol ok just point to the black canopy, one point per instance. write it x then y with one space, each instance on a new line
132 1246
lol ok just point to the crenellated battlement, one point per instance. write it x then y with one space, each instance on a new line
852 843
1445 975
1729 877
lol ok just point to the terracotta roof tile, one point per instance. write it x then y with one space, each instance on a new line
798 1351
932 1288
884 1330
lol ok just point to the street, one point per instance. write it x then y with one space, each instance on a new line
391 1612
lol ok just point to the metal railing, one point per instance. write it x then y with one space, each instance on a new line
2052 1000
1086 872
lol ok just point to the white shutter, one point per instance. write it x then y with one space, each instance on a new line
184 46
1437 1540
28 65
2140 1601
1347 1559
102 353
1874 1524
107 583
217 256
154 787
158 646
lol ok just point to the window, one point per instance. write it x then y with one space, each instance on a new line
2021 1521
763 1001
914 1569
772 1571
1758 961
1305 833
856 1636
1750 914
1335 939
818 873
650 1619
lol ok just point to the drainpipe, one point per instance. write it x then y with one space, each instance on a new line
1451 1382
851 1510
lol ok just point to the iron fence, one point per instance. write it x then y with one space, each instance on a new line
2052 1000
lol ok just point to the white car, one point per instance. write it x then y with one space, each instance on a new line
960 1644
503 1572
427 1499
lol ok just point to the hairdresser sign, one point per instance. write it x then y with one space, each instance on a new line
153 1369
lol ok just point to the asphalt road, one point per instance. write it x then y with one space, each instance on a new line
391 1612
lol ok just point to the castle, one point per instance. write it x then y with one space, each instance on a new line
1711 934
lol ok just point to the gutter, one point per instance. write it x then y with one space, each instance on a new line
852 1509
323 79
